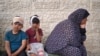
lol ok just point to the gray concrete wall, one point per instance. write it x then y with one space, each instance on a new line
50 13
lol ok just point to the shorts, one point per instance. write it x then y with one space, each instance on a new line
36 48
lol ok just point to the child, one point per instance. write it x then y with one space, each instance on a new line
15 39
35 34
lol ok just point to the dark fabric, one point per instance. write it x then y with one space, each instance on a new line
66 36
23 53
83 34
77 16
82 31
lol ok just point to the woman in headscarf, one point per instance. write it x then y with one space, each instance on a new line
67 38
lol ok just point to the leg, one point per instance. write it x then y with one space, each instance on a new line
23 53
5 54
32 54
40 49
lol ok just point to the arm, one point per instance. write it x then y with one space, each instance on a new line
73 34
38 36
28 46
21 48
7 47
7 44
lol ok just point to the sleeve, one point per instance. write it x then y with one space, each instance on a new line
24 36
27 33
6 38
74 36
40 32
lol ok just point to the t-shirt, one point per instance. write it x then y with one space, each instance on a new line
15 39
32 35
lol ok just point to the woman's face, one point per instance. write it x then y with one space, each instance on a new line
83 23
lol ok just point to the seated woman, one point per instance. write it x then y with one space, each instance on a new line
67 38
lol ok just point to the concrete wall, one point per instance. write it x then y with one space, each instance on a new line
50 13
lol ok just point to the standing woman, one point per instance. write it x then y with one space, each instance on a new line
67 38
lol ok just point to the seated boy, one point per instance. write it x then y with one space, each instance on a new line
15 39
34 46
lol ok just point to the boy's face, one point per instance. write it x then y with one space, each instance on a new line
17 26
35 25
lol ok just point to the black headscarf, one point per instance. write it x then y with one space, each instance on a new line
78 15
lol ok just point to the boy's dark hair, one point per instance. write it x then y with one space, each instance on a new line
35 21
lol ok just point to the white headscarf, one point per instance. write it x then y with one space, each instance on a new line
35 16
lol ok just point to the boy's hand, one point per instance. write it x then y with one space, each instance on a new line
28 47
37 27
9 55
14 54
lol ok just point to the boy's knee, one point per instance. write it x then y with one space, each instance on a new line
4 54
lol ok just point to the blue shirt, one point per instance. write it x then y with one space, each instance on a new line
15 39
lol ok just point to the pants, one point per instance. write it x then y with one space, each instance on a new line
22 53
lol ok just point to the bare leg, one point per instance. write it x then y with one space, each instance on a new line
32 54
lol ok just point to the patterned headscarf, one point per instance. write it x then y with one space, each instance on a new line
66 32
78 15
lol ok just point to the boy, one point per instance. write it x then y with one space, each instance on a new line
34 46
15 39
